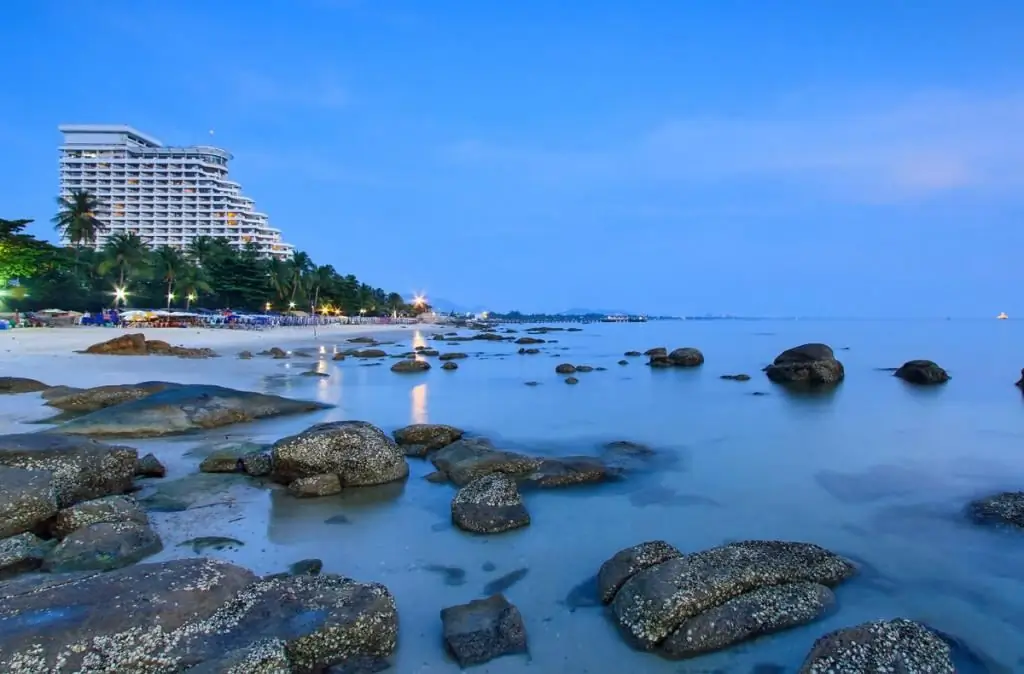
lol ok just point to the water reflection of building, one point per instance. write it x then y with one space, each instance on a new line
418 404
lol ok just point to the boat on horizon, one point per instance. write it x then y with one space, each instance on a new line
1002 316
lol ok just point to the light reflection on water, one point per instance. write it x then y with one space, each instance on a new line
418 404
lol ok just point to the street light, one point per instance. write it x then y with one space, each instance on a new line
189 299
291 305
267 307
120 295
170 298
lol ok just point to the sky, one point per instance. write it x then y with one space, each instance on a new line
856 158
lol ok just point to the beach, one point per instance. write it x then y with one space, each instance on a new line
876 470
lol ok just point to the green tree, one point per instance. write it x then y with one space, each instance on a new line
202 248
169 263
76 220
301 265
127 253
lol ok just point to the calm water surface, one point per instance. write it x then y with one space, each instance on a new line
878 471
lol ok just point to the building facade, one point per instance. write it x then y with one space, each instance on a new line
166 195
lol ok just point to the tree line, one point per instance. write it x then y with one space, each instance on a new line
210 272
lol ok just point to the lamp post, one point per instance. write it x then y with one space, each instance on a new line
170 298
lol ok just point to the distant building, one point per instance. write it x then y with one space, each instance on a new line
166 195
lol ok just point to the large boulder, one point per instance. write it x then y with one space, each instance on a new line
427 437
359 453
684 357
98 397
103 546
685 605
471 458
898 645
15 385
489 505
184 408
1006 508
116 508
136 344
806 365
21 553
112 621
408 366
482 630
82 468
27 497
924 372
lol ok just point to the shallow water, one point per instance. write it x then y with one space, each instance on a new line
877 470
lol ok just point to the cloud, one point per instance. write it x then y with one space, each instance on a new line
917 148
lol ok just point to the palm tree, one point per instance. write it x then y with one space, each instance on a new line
201 248
301 264
319 279
279 273
170 263
193 282
76 220
127 253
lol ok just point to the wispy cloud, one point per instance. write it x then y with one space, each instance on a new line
917 148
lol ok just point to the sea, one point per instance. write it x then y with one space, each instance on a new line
875 469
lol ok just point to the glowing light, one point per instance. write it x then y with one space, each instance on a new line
267 307
362 311
191 297
291 305
419 300
120 294
170 296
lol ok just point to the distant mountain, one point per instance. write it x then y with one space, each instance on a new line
602 312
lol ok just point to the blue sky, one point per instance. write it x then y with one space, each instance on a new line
755 157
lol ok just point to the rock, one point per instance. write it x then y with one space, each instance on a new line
27 497
436 477
1019 383
532 383
898 645
924 372
686 357
113 620
359 453
137 345
488 337
82 468
16 385
482 630
103 547
338 356
453 355
806 365
149 466
316 485
570 470
450 366
275 352
489 505
572 380
528 352
529 340
430 436
257 464
58 392
623 362
427 352
184 408
306 567
245 355
632 353
369 353
361 340
223 461
656 602
99 397
629 562
470 458
736 377
314 373
408 366
565 368
1004 508
266 656
22 553
111 509
763 611
656 351
584 368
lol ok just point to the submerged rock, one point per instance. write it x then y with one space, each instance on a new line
409 366
316 485
736 377
883 646
482 630
112 509
224 460
22 553
360 454
82 468
428 436
16 385
684 605
450 366
99 397
27 497
369 353
149 466
102 547
453 355
565 368
809 365
470 458
184 408
489 505
1005 508
923 372
684 357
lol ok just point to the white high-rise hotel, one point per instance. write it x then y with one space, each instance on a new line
166 195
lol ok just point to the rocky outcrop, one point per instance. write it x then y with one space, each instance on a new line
1006 508
102 547
426 437
924 372
684 357
184 408
898 645
369 353
136 344
482 630
565 368
408 366
453 355
98 397
112 509
81 468
806 365
685 605
16 385
489 505
327 484
530 340
360 454
22 553
27 497
450 365
149 466
735 377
